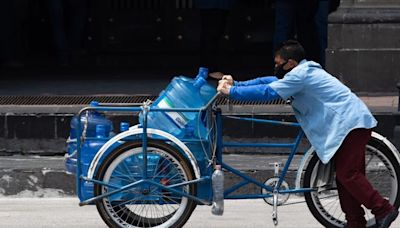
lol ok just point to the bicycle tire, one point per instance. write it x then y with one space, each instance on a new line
377 154
130 208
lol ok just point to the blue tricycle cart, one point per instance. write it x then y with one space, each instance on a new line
154 174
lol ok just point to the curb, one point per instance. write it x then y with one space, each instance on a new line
27 179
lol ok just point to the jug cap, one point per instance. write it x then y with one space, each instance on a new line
94 103
203 72
124 126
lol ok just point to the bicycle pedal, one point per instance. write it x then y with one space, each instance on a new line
275 218
275 222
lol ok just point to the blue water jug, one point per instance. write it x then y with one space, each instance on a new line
207 91
89 149
92 119
180 93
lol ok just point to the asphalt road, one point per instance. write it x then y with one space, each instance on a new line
65 212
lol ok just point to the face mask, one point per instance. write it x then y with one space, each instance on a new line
280 72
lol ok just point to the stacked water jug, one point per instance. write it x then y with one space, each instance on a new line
183 92
98 131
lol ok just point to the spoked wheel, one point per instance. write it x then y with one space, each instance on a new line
145 205
382 171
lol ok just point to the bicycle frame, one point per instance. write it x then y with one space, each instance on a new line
219 143
246 178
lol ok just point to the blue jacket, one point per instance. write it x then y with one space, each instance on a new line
326 109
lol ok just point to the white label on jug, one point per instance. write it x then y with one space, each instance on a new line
178 118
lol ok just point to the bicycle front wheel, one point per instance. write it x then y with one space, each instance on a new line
382 171
145 205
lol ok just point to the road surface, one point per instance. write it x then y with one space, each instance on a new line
65 212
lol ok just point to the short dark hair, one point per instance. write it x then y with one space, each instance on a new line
291 49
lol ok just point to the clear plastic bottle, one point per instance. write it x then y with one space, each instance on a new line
218 191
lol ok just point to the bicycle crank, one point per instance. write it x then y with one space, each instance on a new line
275 208
281 198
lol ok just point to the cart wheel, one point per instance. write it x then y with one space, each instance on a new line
382 171
145 205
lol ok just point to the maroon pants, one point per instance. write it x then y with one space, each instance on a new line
353 187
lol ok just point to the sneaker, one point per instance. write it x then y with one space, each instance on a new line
387 220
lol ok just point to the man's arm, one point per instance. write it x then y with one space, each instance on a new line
253 93
256 81
283 88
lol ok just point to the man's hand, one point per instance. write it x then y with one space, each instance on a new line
224 87
228 78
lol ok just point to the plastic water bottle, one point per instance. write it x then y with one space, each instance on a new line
218 191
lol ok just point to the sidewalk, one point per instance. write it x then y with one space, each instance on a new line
381 104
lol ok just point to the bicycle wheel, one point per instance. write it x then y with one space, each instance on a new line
382 171
145 205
